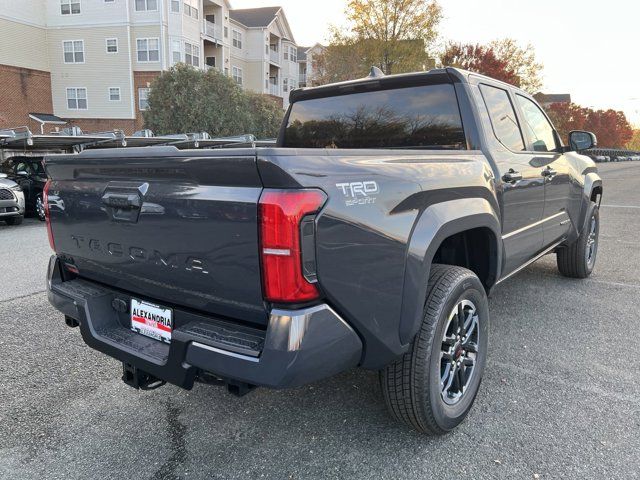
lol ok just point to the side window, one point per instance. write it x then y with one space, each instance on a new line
503 117
537 125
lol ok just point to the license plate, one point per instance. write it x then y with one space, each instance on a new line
151 320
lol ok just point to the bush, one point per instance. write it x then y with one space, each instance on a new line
184 99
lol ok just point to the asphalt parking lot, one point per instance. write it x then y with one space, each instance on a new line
560 398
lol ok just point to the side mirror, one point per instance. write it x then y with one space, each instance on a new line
22 173
580 140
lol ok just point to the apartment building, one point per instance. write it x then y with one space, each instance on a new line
91 62
307 75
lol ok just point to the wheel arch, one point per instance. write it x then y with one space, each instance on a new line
439 224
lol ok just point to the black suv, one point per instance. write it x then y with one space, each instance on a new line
28 172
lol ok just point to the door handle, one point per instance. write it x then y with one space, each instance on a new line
512 176
549 173
122 201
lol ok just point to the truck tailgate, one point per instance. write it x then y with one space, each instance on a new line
179 227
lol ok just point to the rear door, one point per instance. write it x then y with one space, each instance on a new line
168 226
521 183
553 167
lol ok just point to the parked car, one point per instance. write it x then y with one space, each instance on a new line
11 201
369 236
29 173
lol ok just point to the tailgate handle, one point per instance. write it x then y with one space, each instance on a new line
122 201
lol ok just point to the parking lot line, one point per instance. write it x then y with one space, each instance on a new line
620 206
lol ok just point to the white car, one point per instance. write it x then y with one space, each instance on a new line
11 201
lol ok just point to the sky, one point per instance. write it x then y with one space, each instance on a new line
589 48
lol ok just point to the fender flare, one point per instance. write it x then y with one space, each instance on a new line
591 181
432 227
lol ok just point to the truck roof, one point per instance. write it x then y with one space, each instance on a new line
378 80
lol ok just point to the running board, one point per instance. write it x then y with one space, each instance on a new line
534 259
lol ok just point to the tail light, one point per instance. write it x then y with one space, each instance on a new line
47 216
281 215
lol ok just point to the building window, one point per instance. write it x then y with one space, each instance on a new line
112 45
114 94
77 98
191 54
176 51
237 39
293 55
237 75
175 6
191 8
146 5
73 51
226 32
210 62
143 98
286 53
69 7
109 1
148 49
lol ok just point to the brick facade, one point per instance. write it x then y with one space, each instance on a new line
93 125
23 91
142 80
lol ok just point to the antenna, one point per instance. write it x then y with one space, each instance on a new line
376 72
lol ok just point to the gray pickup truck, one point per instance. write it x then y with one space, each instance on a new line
369 236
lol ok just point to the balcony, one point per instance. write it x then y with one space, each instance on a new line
274 56
213 30
302 78
274 90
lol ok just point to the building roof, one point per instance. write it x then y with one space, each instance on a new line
255 17
553 97
47 118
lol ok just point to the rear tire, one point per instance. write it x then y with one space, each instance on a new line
577 259
415 386
14 220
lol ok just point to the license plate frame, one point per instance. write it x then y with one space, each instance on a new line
151 320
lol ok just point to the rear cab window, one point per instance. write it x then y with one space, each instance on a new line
420 117
503 117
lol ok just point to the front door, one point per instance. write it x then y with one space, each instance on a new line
553 167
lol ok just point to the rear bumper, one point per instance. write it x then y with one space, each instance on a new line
298 346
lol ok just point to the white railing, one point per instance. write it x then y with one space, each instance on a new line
213 30
302 78
274 56
274 89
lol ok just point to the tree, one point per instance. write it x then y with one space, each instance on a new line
480 59
521 61
567 117
610 126
394 35
500 59
184 99
634 143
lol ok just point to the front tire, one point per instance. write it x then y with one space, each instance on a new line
432 387
578 259
40 208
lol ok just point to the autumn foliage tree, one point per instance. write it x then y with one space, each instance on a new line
501 59
394 35
610 126
634 143
480 59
